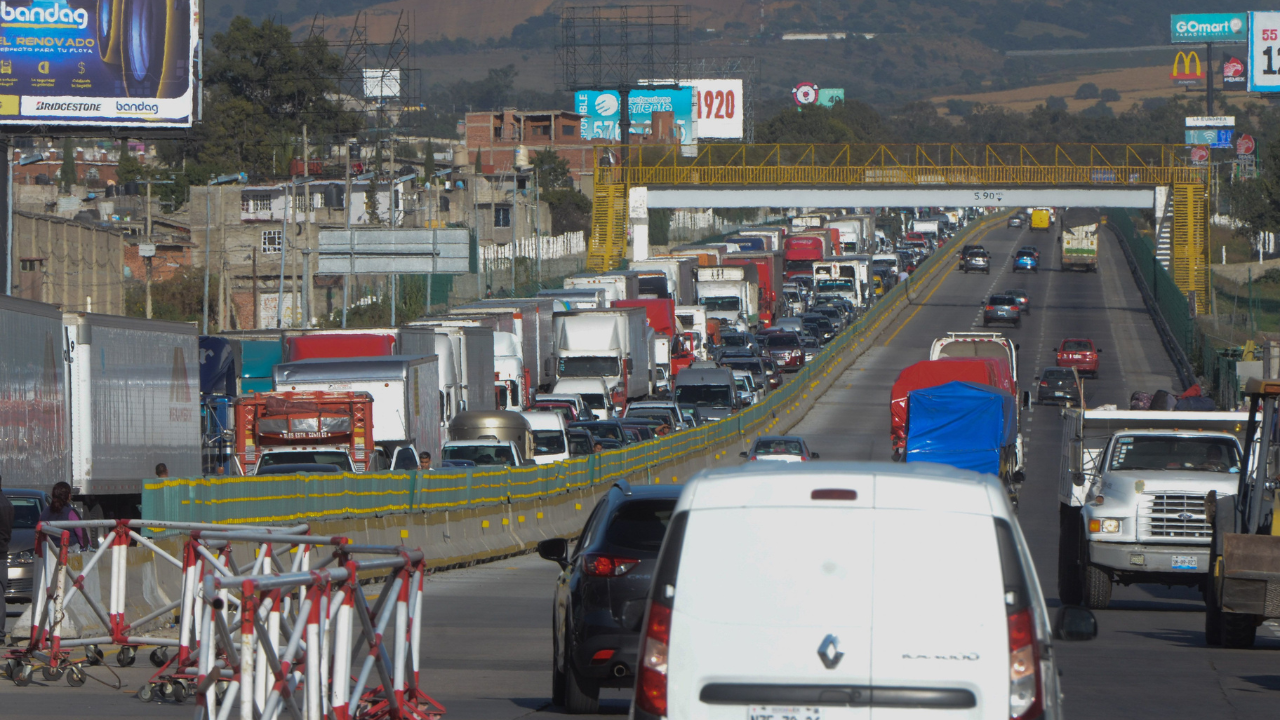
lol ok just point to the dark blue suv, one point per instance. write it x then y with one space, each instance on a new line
602 590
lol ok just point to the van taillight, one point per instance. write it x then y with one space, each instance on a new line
1024 667
651 684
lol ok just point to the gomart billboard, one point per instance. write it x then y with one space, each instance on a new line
97 62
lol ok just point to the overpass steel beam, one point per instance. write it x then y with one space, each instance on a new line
757 196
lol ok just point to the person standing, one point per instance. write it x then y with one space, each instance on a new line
60 510
6 532
424 460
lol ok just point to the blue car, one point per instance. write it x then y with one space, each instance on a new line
1026 260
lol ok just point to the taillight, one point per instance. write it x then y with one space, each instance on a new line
651 684
1024 667
607 565
991 307
1044 383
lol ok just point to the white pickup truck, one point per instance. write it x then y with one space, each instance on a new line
1131 492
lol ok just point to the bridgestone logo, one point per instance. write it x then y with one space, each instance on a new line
43 106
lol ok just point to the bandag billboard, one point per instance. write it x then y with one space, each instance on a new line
97 62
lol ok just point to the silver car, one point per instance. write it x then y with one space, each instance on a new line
27 506
1001 309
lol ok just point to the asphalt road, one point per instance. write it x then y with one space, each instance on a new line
488 642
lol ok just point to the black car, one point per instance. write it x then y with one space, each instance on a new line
601 592
580 442
1058 385
611 429
818 325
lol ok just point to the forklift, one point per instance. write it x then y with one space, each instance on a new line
1243 589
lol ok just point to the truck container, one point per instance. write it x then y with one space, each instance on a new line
857 233
801 251
609 344
977 344
260 350
1080 239
472 340
669 353
681 273
746 243
926 374
706 255
305 427
406 403
731 294
773 235
632 284
34 447
576 299
806 222
770 269
966 425
617 287
531 321
134 403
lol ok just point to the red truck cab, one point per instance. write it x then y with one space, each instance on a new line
769 271
1079 353
801 251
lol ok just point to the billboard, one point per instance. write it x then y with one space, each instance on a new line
1263 65
97 62
402 250
1234 73
718 107
1214 138
381 83
1207 27
601 112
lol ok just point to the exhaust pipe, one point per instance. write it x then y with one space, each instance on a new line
620 670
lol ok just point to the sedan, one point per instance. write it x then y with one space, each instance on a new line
1024 300
601 591
1081 354
1058 385
1015 221
27 506
784 448
1001 308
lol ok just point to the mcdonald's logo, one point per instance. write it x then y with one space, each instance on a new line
1182 66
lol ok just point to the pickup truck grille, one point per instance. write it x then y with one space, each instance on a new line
1176 515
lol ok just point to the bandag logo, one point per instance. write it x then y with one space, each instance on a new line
51 15
136 108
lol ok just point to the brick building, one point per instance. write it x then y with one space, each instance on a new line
507 139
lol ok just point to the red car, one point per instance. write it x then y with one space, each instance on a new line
1081 354
783 347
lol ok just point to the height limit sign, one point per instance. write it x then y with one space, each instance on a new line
1264 52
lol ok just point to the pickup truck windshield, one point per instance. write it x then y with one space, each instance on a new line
721 304
548 442
705 395
480 454
589 367
306 457
1138 452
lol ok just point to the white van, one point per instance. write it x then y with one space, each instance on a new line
550 436
874 588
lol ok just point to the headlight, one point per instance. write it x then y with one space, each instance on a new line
22 557
1107 525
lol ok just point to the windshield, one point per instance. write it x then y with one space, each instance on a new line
579 443
1058 374
548 442
593 400
799 264
704 395
605 430
305 457
26 512
778 447
733 340
748 365
835 286
781 340
589 367
1165 452
721 304
655 413
640 525
1077 346
884 263
480 454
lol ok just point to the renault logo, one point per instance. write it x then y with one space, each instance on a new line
1185 516
828 652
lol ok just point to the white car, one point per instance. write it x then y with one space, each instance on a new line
876 589
783 448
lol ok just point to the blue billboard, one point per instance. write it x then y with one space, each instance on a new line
601 112
1208 27
97 62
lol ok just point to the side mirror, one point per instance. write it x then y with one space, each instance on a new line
556 550
814 456
744 454
1098 350
1074 623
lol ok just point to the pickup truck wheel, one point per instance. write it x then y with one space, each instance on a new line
1069 591
1238 630
1096 587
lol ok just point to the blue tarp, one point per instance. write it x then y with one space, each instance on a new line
962 424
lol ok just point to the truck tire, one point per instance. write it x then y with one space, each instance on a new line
1096 586
1212 618
1238 630
1069 590
580 696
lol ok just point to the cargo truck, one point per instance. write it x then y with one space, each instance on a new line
730 294
616 287
406 403
134 395
770 272
927 374
531 321
575 299
1132 486
611 345
967 425
34 449
773 235
472 340
1079 239
678 277
802 251
309 427
693 318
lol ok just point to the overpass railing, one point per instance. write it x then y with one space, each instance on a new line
287 499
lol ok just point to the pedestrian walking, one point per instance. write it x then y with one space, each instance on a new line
60 510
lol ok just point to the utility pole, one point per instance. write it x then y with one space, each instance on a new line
351 252
1208 79
151 247
307 282
537 220
284 249
208 233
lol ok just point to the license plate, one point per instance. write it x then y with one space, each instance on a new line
771 712
1059 394
1185 562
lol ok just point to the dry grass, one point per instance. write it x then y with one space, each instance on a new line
1133 84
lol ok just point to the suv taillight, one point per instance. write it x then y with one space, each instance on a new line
991 307
607 565
651 685
1024 667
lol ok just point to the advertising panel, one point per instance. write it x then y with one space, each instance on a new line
1234 73
1214 138
1263 65
718 107
381 83
1187 69
830 96
97 62
1207 27
601 112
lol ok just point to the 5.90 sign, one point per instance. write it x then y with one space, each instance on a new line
1264 51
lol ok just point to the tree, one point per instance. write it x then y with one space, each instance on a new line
1087 91
570 209
1256 203
552 170
958 107
1055 103
67 173
1109 95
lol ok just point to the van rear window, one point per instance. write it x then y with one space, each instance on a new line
640 524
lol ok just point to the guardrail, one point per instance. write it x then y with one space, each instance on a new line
307 498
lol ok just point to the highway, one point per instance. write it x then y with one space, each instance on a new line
487 645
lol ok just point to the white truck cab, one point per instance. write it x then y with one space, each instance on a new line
1131 493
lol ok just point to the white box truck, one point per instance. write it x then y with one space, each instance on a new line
730 294
608 344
